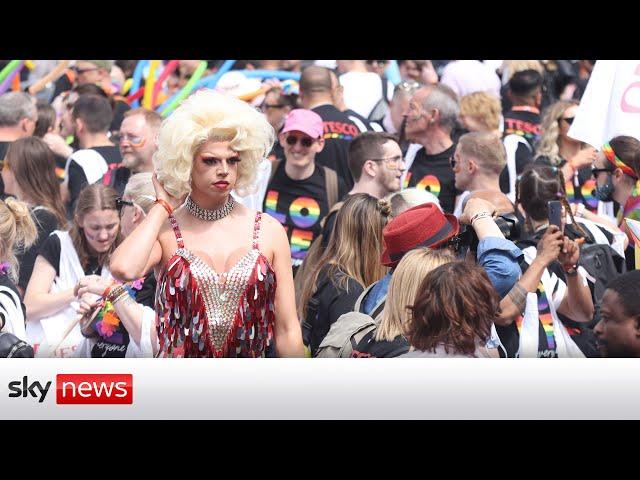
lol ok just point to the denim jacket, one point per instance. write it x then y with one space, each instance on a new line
498 256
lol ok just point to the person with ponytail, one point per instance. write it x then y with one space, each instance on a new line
17 233
29 175
557 305
64 259
348 265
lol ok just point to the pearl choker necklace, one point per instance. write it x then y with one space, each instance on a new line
210 215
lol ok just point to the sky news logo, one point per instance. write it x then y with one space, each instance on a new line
78 389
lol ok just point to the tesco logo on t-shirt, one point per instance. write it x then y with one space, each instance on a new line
93 389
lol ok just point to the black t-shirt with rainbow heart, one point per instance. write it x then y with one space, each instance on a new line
300 206
434 174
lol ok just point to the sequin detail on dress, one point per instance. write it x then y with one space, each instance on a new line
205 314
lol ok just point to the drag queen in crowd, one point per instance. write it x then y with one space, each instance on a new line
225 286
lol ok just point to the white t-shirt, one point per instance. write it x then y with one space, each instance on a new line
254 200
363 90
469 76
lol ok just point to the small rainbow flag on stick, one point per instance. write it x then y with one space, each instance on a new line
633 227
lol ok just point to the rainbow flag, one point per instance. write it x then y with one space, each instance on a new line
633 227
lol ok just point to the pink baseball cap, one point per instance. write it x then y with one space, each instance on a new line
305 121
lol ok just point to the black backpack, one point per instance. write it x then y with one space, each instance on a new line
380 109
601 261
12 347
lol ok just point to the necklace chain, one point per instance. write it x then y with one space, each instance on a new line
210 215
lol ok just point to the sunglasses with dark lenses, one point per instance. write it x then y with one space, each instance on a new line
452 161
595 171
569 120
120 203
305 141
267 106
80 71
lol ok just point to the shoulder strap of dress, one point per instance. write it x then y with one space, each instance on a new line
256 230
176 231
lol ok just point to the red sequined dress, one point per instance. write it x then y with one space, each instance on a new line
201 313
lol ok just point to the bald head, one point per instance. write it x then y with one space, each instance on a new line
315 80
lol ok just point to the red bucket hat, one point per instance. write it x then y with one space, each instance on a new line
421 226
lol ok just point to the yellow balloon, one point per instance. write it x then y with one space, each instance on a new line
127 85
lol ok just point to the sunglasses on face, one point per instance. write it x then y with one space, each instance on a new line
267 106
120 203
569 120
80 71
305 141
595 171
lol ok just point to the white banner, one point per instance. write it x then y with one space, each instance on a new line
610 105
320 389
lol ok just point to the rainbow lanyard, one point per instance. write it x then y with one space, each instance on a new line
545 317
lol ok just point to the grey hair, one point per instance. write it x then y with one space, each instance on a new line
140 190
446 101
408 198
14 106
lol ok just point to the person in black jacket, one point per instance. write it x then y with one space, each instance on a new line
29 175
347 266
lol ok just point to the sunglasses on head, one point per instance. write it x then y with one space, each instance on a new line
407 86
305 141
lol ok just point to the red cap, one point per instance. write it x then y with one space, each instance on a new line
421 226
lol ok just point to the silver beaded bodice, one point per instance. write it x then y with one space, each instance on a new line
221 292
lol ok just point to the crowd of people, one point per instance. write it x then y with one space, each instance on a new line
328 209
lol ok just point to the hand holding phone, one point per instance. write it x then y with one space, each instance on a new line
555 213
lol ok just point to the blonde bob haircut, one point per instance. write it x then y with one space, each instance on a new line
210 116
404 286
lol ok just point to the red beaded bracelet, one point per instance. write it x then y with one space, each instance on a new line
165 204
108 290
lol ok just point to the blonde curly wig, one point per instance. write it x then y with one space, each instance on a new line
210 116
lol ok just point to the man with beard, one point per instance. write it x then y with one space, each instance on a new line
137 146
